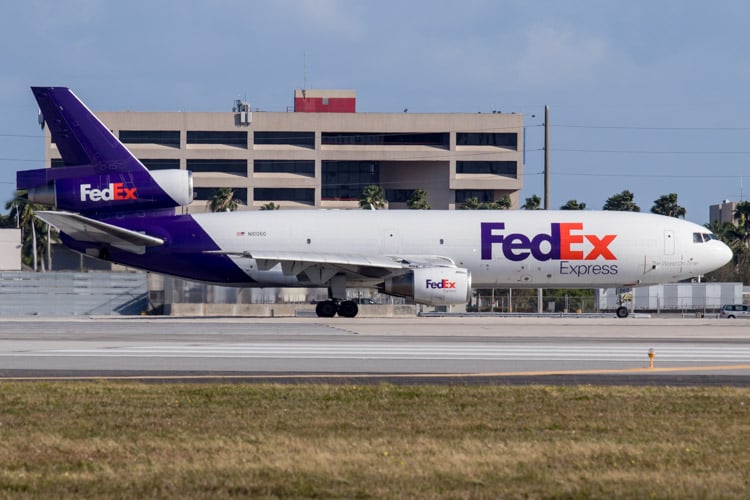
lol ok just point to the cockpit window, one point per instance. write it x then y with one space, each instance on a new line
701 237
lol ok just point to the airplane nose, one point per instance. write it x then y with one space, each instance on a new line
723 254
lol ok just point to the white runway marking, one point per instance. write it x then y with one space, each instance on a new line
450 346
411 350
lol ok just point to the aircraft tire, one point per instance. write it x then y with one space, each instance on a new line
326 309
348 309
622 312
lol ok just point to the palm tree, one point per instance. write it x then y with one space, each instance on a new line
36 235
418 200
372 196
736 237
473 203
622 202
573 205
720 229
533 203
742 214
6 221
503 203
667 205
223 201
470 203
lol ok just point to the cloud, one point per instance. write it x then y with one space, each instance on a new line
556 55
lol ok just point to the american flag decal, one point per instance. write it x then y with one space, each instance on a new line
240 233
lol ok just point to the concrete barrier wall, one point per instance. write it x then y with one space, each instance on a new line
283 310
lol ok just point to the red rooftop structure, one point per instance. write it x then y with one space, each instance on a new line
325 101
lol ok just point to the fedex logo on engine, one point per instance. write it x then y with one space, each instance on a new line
442 284
116 191
565 241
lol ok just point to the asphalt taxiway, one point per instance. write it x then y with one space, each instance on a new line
411 350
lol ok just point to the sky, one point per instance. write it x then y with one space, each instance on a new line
646 96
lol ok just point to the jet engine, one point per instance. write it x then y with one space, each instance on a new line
178 184
435 286
68 189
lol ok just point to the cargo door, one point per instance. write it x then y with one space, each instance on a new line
668 242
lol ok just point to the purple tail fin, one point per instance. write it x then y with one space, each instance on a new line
100 175
79 135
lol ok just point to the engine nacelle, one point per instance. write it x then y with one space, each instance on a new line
75 189
178 184
435 286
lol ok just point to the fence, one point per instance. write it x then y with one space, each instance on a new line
673 297
104 293
507 302
670 297
70 293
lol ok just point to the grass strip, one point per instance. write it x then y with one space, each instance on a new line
125 439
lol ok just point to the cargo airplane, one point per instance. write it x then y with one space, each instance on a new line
109 206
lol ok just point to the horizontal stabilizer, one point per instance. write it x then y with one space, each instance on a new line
82 228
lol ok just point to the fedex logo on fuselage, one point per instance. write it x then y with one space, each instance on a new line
442 284
565 241
115 191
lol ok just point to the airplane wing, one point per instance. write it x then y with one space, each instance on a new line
323 264
82 228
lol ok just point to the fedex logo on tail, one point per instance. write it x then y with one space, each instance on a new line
442 284
565 241
116 191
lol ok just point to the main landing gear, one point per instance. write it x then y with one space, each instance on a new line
329 309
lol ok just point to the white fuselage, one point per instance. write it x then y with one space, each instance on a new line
553 249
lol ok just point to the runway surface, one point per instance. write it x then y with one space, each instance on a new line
413 350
